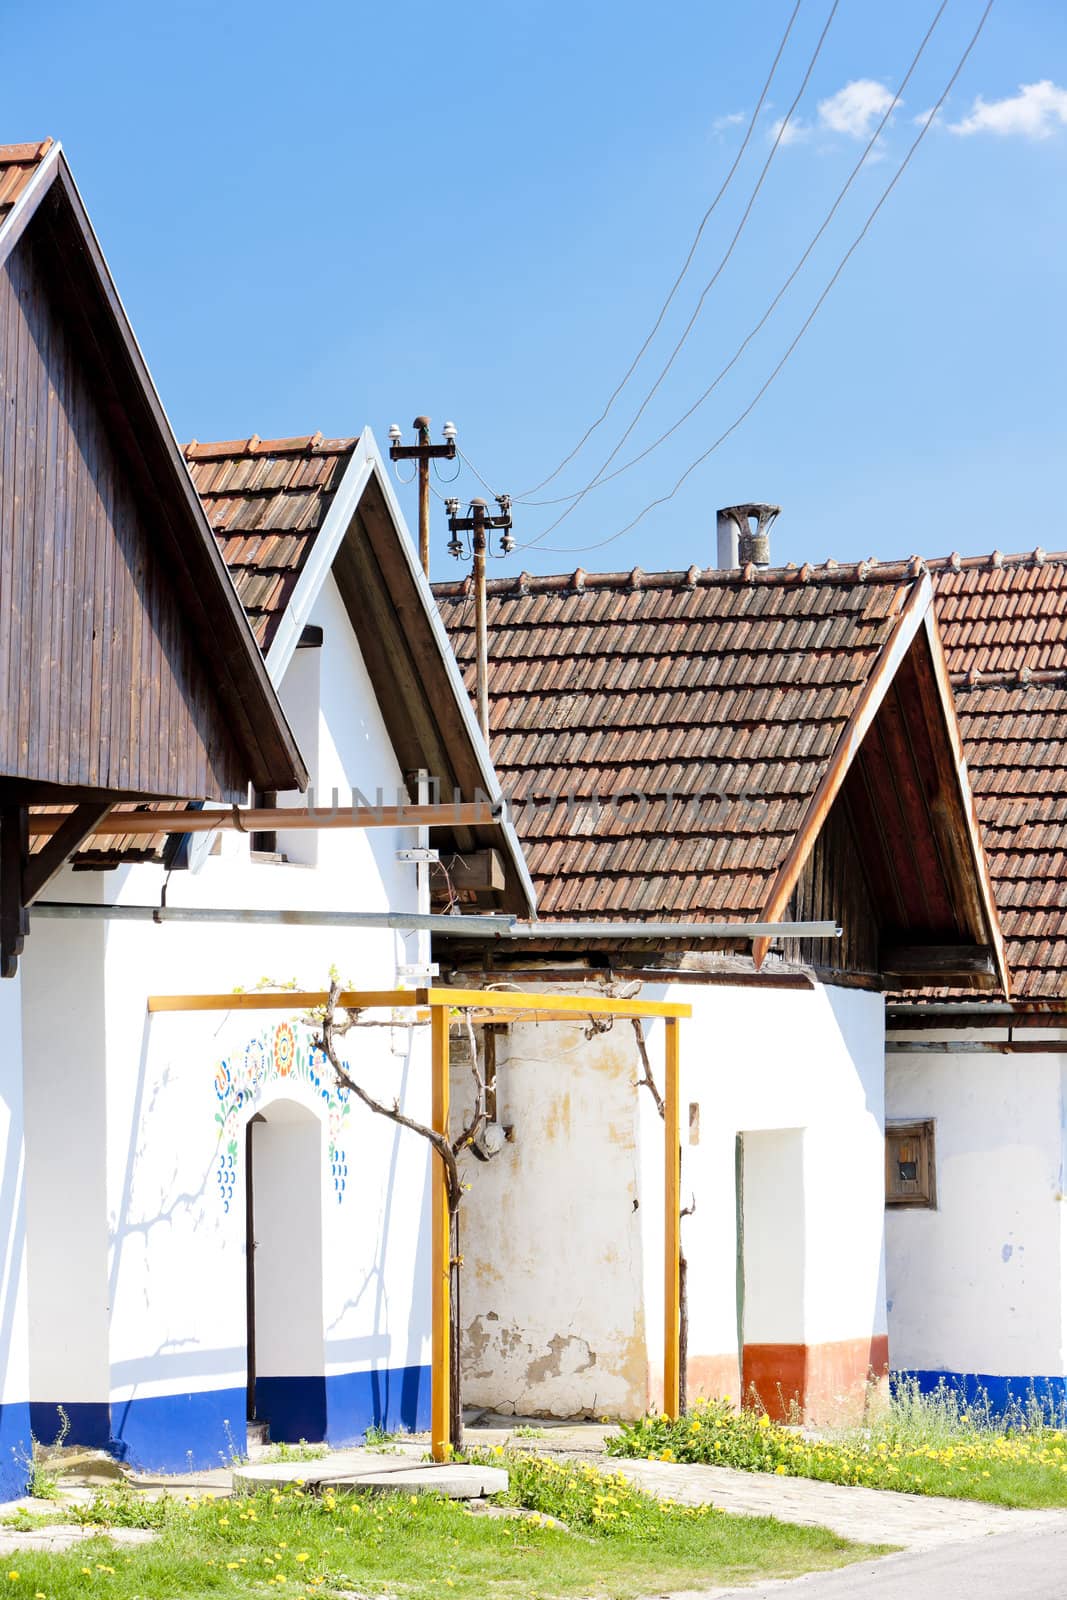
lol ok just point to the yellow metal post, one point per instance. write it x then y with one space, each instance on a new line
672 1222
440 1402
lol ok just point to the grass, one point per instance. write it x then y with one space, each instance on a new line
622 1544
923 1444
301 1451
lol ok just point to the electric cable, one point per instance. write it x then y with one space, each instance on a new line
711 281
886 192
628 374
747 340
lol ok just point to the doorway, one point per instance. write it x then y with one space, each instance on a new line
284 1285
771 1268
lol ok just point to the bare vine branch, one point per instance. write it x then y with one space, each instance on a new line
332 1029
648 1081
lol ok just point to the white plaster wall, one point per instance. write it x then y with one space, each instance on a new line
563 1291
977 1285
804 1060
551 1292
156 1262
63 983
14 1342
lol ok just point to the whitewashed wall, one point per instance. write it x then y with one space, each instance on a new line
563 1290
976 1288
15 1443
137 1291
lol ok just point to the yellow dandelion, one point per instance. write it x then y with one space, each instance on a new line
301 1556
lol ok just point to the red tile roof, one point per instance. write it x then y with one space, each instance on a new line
266 499
718 697
1004 625
713 683
18 163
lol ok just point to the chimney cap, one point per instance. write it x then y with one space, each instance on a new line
752 542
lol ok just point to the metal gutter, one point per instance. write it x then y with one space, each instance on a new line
491 925
975 1047
675 930
74 910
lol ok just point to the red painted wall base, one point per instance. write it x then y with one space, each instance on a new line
816 1382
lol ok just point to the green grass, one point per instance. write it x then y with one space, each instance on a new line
301 1451
922 1444
424 1548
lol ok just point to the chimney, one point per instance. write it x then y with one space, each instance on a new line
744 535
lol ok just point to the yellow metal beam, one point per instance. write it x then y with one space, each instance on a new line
283 1000
518 1000
497 1005
440 1406
672 1223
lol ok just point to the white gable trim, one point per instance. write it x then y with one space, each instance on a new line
366 462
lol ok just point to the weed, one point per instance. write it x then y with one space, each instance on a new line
301 1451
936 1443
526 1432
424 1547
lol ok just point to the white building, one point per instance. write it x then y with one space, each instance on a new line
685 749
976 1089
134 1301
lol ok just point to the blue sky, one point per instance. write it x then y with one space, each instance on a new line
339 215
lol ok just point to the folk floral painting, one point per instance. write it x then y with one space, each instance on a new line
281 1054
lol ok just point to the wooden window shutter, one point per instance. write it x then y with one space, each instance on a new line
910 1178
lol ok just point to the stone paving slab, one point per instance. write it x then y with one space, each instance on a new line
871 1516
374 1471
60 1536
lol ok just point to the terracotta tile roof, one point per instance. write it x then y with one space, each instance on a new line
1004 624
266 499
702 681
719 697
18 163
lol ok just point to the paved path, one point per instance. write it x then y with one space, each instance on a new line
872 1516
1031 1566
61 1536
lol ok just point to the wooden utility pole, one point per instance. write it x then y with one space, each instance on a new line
481 630
423 452
479 525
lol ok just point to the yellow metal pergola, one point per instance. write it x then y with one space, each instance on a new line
436 1006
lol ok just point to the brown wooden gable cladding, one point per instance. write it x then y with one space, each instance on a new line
126 659
101 684
665 739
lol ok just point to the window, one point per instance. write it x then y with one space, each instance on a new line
909 1164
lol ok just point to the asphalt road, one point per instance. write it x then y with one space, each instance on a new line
1005 1566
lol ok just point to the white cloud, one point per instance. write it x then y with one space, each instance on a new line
731 120
792 132
1034 113
853 111
856 108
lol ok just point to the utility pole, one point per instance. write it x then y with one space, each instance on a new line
423 452
479 526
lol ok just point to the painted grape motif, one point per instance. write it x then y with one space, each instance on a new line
282 1053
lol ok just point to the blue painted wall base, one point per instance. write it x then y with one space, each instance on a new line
16 1447
339 1409
1001 1394
190 1432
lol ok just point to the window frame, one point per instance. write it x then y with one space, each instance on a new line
921 1129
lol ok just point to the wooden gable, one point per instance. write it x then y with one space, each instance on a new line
102 683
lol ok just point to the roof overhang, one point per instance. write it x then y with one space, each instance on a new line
915 631
365 543
143 432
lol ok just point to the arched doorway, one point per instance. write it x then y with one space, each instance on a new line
283 1221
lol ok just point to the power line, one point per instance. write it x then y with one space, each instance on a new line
711 281
886 192
628 374
747 340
